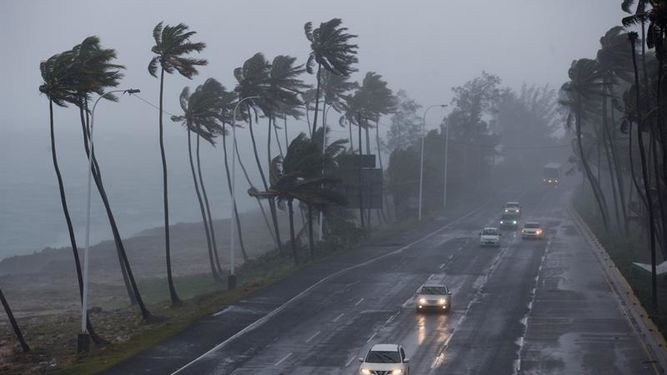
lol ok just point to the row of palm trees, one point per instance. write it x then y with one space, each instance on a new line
272 91
616 105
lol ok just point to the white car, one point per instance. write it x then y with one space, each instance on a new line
512 208
385 359
433 295
532 230
489 236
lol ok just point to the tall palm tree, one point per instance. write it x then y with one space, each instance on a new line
331 48
254 79
95 72
580 96
199 113
12 320
172 45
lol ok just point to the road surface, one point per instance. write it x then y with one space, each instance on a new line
528 307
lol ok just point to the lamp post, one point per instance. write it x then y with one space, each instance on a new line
421 156
231 279
444 186
83 343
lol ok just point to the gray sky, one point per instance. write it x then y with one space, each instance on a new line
422 46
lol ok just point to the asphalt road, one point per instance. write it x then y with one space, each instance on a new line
528 307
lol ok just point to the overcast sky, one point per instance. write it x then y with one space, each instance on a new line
422 46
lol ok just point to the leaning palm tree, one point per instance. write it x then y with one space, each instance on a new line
95 72
172 45
331 49
58 83
298 176
254 80
12 320
580 95
198 109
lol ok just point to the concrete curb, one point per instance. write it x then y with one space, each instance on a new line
653 341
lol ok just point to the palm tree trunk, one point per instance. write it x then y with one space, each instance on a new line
351 137
285 131
291 230
70 227
311 240
207 206
12 320
611 138
361 186
165 199
272 206
214 271
379 152
317 99
368 152
236 211
607 144
122 254
280 146
97 176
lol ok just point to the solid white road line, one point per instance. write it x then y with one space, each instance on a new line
371 338
283 359
313 336
261 321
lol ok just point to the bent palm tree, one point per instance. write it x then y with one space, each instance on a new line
331 49
12 320
172 44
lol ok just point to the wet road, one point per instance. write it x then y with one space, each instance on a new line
533 307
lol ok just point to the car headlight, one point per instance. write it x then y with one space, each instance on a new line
442 301
397 371
365 371
514 222
502 222
422 301
506 210
539 231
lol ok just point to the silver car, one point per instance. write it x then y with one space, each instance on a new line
433 296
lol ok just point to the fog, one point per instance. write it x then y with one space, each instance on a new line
423 47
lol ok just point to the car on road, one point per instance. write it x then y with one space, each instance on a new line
532 230
512 208
385 359
433 295
509 221
489 236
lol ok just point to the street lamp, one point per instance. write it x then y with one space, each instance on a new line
444 186
421 157
231 279
84 337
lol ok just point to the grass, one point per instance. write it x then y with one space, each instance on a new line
624 250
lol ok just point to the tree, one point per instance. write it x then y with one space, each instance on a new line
199 117
579 95
298 176
172 44
406 126
331 49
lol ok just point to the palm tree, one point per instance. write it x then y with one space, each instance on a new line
12 320
298 176
172 44
254 79
581 93
58 83
199 114
331 49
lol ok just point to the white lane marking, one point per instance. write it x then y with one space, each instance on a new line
313 336
410 301
259 322
391 318
283 359
442 266
358 302
349 361
222 311
338 317
371 338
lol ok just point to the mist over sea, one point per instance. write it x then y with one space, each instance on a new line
31 216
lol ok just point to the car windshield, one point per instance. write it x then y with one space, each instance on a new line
433 290
532 225
508 217
512 205
489 232
383 357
